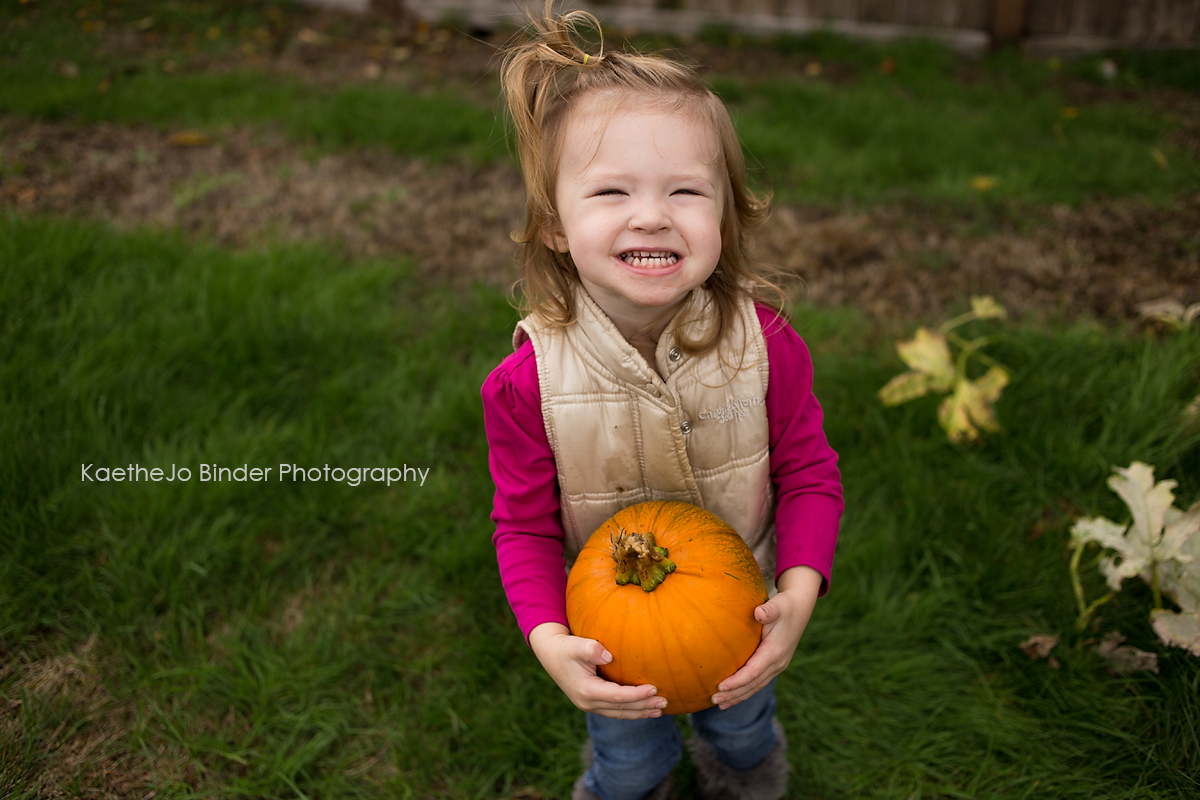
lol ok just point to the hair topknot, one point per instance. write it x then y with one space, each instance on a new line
544 75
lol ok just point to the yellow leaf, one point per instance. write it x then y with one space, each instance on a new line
983 183
1160 157
189 139
986 307
928 352
904 387
992 384
952 416
968 410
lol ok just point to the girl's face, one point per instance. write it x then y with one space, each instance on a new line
640 196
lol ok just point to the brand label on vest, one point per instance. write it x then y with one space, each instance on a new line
734 409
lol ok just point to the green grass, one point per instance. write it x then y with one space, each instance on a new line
281 639
923 132
318 639
132 87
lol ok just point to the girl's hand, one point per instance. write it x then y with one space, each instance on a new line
571 661
784 618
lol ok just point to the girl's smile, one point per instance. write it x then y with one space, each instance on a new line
640 194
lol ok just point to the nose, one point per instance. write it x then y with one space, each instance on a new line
649 216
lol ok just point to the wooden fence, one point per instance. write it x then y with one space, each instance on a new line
967 25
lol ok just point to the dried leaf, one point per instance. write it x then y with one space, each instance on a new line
1177 630
309 36
189 139
986 307
1039 646
1124 659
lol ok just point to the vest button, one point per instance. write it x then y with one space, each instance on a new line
686 427
674 354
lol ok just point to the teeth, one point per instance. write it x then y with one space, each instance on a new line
649 258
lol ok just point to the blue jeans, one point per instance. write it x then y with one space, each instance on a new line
632 756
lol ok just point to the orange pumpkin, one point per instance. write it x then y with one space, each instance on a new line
670 590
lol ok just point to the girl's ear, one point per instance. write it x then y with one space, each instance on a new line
554 238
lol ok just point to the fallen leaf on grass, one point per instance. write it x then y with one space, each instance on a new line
1177 630
1160 158
932 368
1169 311
1039 646
189 138
1158 532
986 307
969 410
1180 579
309 36
983 183
1124 659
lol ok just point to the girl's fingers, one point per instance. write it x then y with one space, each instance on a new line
626 702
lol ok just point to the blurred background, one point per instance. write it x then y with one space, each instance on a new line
264 233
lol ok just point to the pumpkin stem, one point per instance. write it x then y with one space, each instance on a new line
639 560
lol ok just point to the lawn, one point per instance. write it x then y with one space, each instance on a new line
286 638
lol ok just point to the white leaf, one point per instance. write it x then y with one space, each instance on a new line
1180 578
1159 534
1148 501
1110 535
1180 630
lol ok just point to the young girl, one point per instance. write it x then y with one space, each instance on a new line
650 367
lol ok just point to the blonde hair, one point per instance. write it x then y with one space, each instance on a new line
543 78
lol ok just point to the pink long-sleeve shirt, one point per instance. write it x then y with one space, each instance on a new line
529 534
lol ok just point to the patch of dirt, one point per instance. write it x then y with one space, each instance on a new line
246 189
243 190
1101 260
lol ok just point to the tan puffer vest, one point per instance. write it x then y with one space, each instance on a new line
623 435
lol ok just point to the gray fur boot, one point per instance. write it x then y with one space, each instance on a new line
581 792
716 781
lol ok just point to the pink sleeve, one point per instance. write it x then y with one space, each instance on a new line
803 465
528 535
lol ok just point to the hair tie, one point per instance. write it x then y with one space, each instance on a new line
585 59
